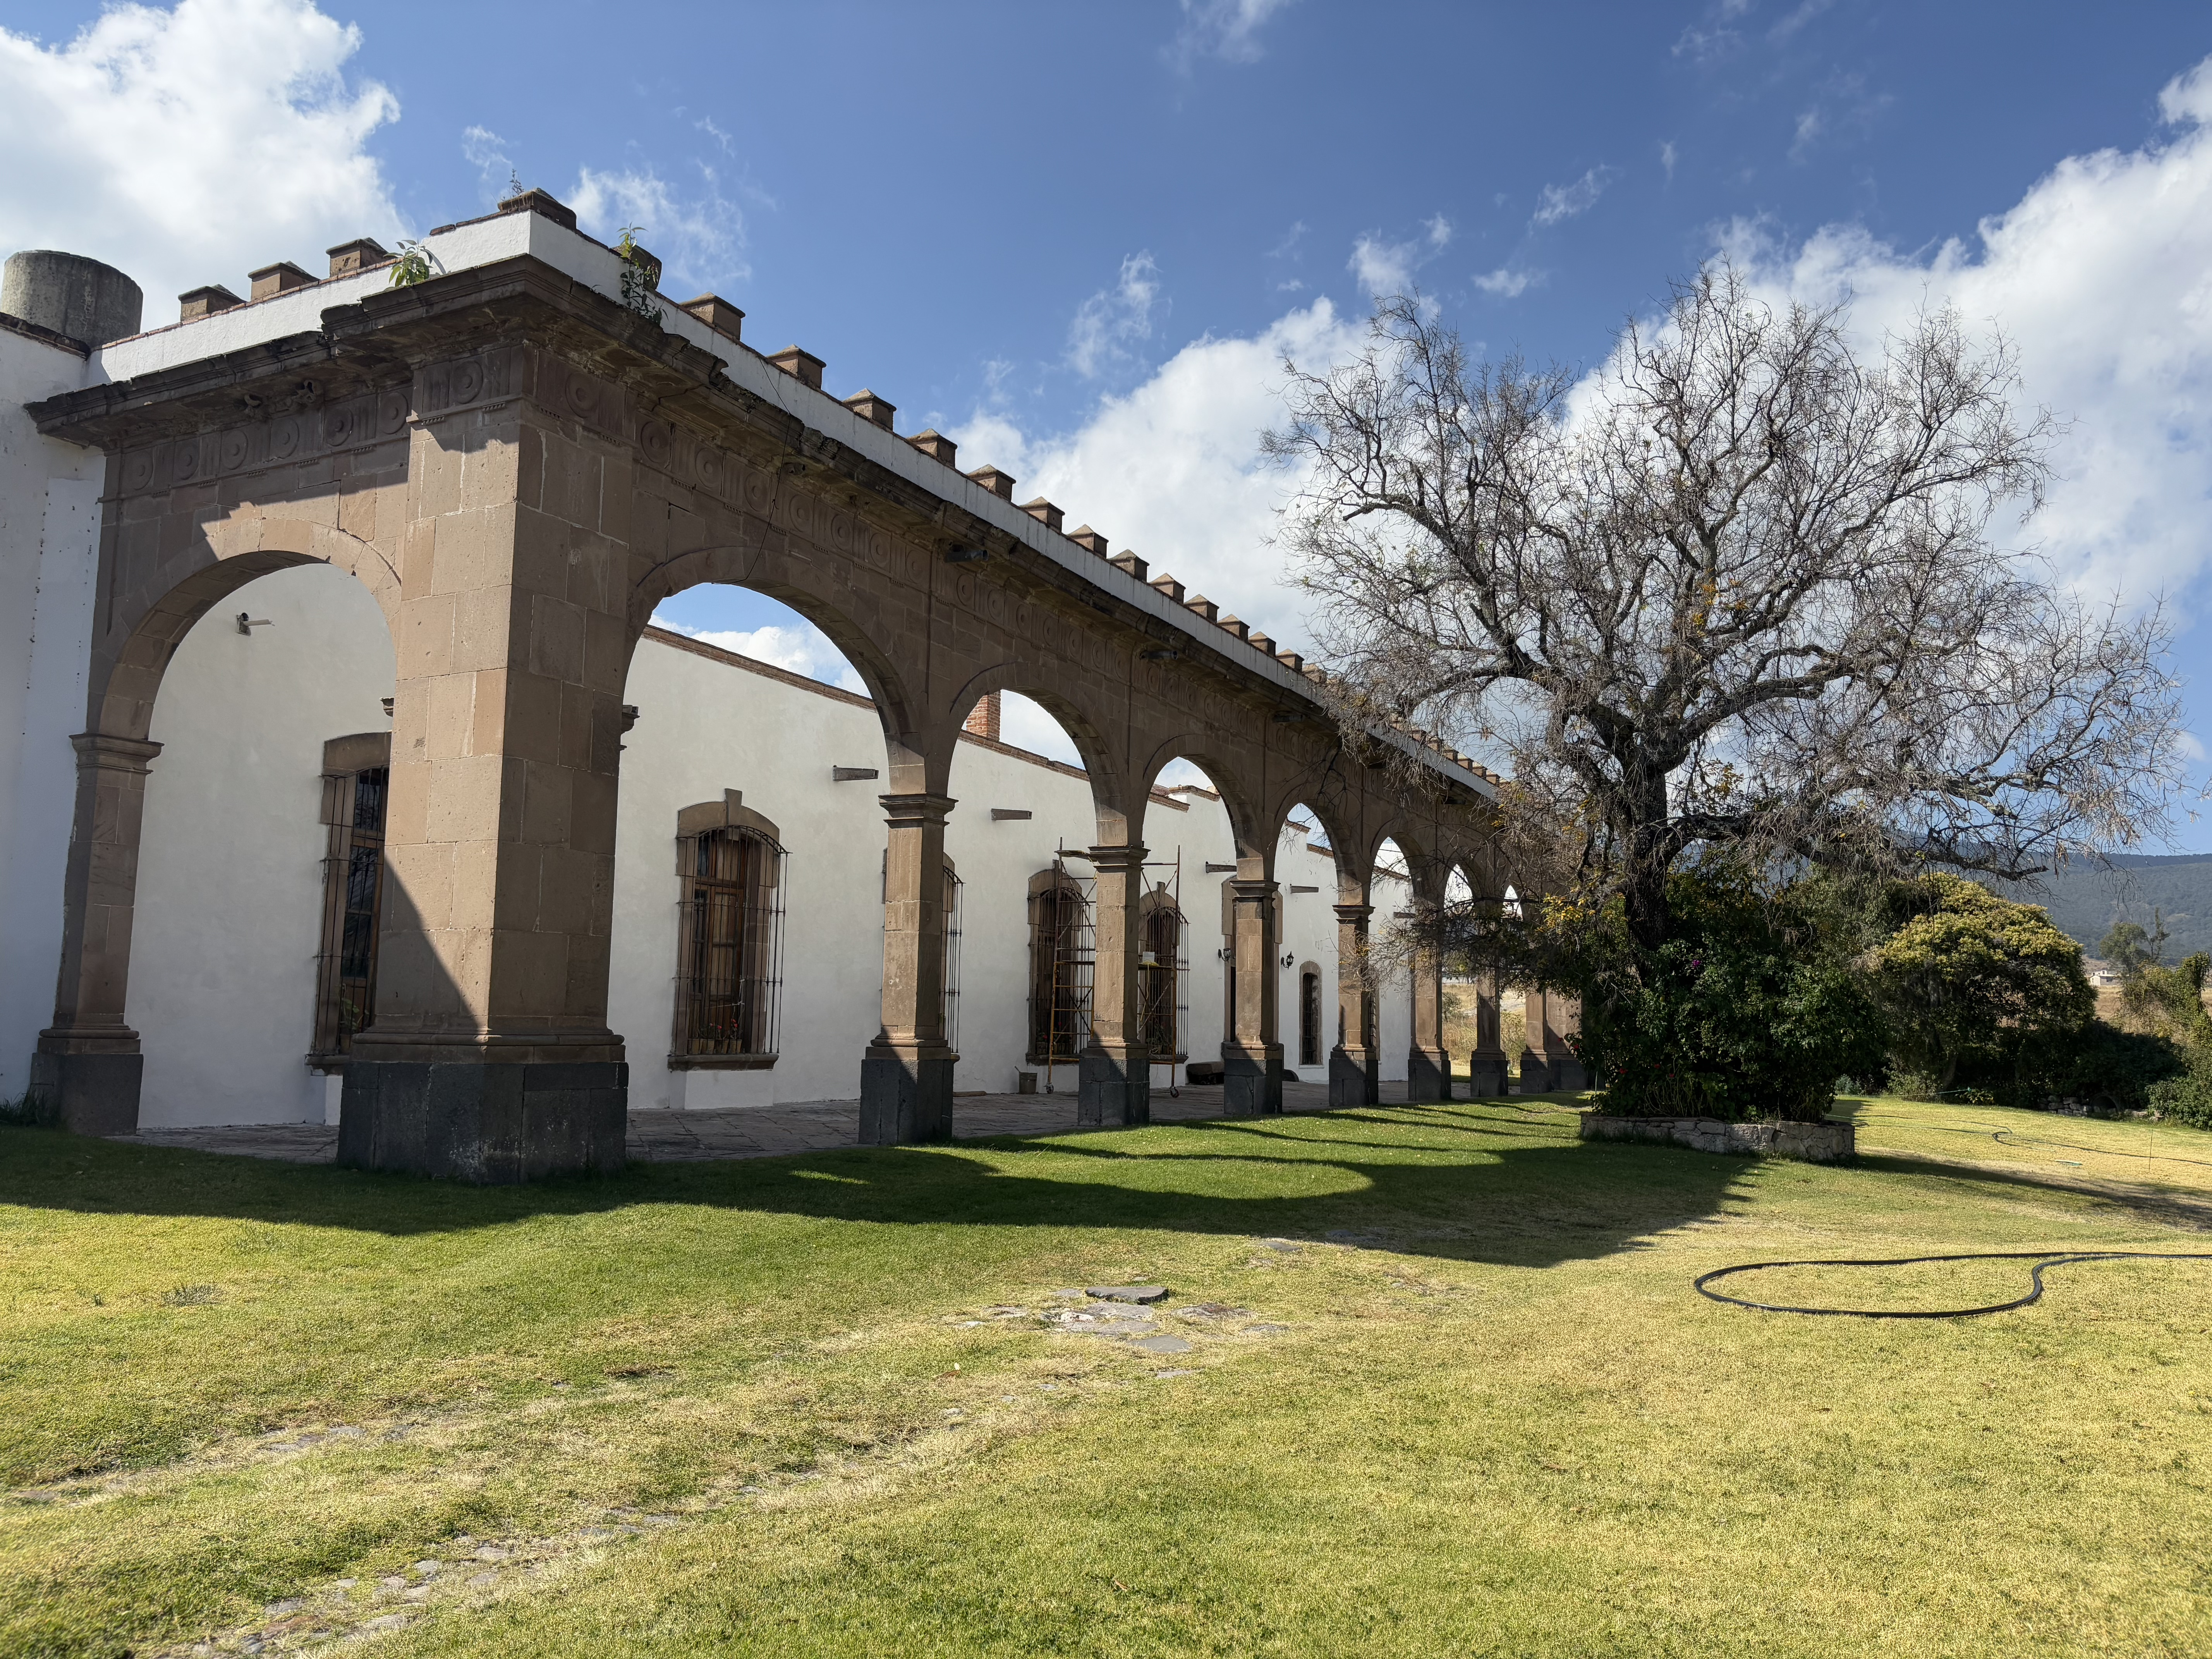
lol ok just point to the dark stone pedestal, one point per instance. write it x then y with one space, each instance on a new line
905 1096
1535 1073
1569 1074
1428 1075
88 1094
1485 1074
1351 1082
492 1123
1252 1080
1115 1091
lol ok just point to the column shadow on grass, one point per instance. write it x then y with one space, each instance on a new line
1502 1189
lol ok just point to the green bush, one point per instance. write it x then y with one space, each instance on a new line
1751 1010
2171 1000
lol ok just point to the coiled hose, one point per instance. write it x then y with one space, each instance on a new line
2044 1259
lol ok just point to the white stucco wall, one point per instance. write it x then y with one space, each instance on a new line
705 725
230 869
49 556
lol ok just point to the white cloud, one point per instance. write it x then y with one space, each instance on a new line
486 151
799 647
190 146
1173 469
1505 282
1668 157
700 236
1227 29
1561 202
1110 320
2101 275
1382 267
1440 231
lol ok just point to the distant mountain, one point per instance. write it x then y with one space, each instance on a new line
2084 903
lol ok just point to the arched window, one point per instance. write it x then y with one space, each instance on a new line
357 781
729 969
1060 943
1160 970
1309 1015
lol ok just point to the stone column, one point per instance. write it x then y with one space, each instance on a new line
1355 1064
1428 1065
88 1066
1486 1065
1563 1020
1252 1058
1536 1048
1116 1069
906 1076
488 1057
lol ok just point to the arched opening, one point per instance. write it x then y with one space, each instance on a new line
260 852
1390 891
1190 961
1462 989
1307 880
1026 819
753 757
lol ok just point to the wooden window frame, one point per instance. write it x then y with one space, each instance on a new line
353 848
760 916
1063 964
1162 980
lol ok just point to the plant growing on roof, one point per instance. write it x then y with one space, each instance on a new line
640 276
412 266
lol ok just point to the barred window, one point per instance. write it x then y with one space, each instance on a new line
1309 1015
1160 970
356 781
729 978
1060 943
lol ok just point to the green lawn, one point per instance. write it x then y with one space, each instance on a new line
768 1407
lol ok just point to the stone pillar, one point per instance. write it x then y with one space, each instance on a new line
88 1066
1251 1057
1535 1050
1485 1066
1116 1086
1563 1020
1428 1066
488 1057
1355 1064
906 1076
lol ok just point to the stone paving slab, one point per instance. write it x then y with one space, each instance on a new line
807 1126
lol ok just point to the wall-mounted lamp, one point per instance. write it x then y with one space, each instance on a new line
246 624
1289 958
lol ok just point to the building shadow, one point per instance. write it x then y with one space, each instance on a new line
1497 1189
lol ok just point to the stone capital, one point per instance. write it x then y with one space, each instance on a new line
105 752
910 811
1357 915
1128 859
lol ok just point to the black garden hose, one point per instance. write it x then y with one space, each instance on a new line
2042 1260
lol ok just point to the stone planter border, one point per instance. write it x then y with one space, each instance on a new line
1815 1143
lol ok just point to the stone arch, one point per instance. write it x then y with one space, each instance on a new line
126 676
1340 822
1252 831
1118 820
888 681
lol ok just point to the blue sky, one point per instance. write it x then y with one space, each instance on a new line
1078 238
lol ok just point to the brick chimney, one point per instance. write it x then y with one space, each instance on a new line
983 719
538 202
205 302
358 255
935 445
270 280
717 314
869 407
802 366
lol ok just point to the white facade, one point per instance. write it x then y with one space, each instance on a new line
230 893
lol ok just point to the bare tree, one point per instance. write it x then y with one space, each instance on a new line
1735 590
